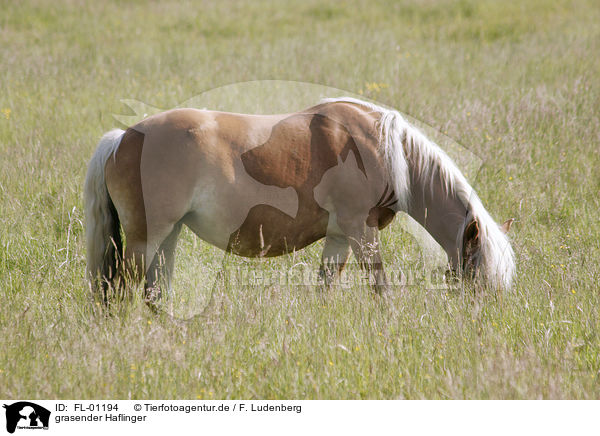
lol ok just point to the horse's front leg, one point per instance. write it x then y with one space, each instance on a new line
366 248
335 256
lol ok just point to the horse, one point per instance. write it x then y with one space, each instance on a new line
267 185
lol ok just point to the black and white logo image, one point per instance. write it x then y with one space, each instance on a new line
26 415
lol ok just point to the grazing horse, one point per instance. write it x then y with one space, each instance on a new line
266 185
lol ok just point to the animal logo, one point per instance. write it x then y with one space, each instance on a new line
24 414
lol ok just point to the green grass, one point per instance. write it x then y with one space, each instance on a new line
514 82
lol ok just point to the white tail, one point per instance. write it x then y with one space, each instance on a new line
102 222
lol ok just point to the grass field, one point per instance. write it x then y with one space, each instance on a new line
516 83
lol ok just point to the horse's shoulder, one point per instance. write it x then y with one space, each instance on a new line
357 120
349 111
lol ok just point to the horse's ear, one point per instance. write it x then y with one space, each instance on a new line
471 234
505 227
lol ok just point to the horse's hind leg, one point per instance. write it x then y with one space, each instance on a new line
160 271
335 256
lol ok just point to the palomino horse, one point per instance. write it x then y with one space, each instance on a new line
266 185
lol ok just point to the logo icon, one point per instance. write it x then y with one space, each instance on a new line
26 415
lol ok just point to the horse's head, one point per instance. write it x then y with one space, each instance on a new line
473 248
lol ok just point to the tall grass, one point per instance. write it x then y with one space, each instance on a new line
514 82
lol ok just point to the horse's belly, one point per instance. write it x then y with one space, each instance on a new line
269 232
262 231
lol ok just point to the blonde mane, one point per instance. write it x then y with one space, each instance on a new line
400 143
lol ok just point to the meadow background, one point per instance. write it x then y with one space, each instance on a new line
517 83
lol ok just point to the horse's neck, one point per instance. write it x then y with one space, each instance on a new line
440 213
